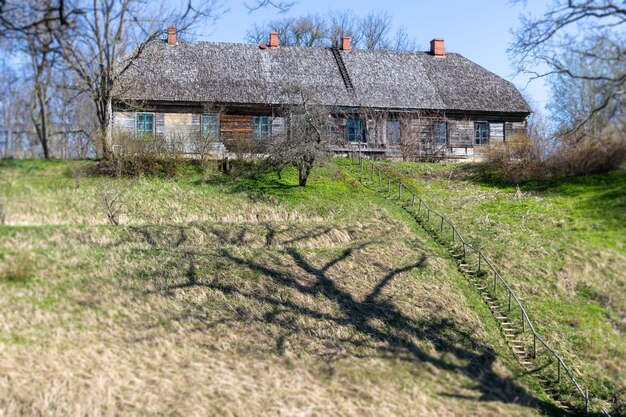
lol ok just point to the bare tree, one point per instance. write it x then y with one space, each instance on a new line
375 28
308 134
100 44
30 29
19 17
112 202
372 32
309 30
544 46
282 6
343 23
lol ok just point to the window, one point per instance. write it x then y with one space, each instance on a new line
145 123
210 125
354 130
393 132
481 133
440 133
261 127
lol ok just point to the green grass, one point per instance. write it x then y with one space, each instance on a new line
560 244
233 295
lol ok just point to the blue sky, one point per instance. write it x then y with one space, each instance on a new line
477 29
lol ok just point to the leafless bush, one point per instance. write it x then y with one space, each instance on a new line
417 136
307 137
587 156
525 159
151 155
112 202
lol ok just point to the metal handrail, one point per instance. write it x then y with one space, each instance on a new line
497 277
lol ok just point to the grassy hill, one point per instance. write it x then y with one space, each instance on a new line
220 295
561 244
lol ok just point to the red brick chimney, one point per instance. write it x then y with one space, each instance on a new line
273 40
171 35
437 48
345 43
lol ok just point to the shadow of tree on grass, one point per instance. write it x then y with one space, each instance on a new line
376 322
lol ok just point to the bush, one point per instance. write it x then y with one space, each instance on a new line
518 159
151 155
586 156
523 159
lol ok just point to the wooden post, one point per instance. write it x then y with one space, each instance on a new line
522 313
534 346
480 255
413 200
441 228
495 281
509 300
586 400
558 370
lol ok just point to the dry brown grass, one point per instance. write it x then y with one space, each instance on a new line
246 307
204 327
16 268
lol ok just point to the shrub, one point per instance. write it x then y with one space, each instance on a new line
586 156
518 159
523 159
151 155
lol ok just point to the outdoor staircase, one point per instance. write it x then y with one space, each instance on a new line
502 314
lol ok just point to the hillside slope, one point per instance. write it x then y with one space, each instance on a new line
237 296
561 245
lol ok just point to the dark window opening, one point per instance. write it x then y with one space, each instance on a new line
393 132
440 133
354 130
145 123
210 125
261 127
481 133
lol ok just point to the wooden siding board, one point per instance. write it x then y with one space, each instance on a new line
460 133
234 127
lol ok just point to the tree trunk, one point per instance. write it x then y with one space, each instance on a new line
303 174
106 127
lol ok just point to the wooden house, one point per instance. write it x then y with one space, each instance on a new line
384 103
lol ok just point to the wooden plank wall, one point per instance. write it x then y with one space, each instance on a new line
124 121
234 126
461 133
496 133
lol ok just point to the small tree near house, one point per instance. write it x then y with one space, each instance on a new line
307 135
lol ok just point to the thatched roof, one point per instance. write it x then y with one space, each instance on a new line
235 73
